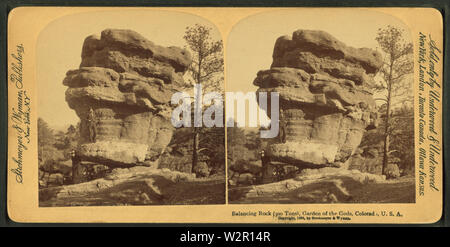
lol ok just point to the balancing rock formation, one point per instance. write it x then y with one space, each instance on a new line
325 94
128 81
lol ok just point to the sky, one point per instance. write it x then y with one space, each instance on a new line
59 49
251 42
248 47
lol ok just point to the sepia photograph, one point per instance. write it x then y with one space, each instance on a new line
242 115
105 134
344 114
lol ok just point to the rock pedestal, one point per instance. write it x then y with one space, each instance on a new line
128 81
325 90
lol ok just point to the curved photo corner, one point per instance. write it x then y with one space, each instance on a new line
105 136
335 143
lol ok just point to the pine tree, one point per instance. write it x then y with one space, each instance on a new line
397 64
206 69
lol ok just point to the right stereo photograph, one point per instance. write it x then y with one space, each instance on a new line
333 95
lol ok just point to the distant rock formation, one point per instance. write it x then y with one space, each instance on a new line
325 94
128 81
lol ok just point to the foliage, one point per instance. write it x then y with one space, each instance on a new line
211 150
207 57
46 139
401 132
212 145
54 148
45 133
402 139
50 154
235 144
397 65
243 146
69 140
206 69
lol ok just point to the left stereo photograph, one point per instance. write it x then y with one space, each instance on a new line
105 133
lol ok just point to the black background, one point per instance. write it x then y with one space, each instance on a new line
169 234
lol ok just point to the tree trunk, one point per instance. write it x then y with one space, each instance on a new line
388 117
385 153
195 150
196 130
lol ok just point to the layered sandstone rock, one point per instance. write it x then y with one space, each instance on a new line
325 92
128 82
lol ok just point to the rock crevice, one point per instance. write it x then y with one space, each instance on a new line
325 90
128 82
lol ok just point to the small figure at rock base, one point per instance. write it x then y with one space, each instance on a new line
77 173
267 168
92 125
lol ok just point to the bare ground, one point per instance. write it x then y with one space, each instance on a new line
141 187
335 189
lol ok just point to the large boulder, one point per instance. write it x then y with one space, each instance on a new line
325 91
322 45
392 171
128 82
128 51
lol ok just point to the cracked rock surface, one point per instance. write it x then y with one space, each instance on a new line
325 90
128 81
